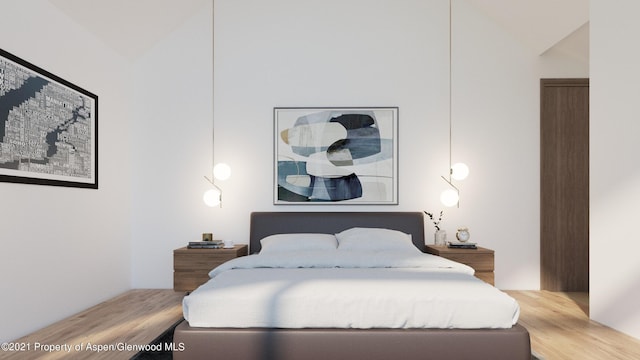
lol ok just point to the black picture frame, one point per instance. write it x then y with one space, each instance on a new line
48 127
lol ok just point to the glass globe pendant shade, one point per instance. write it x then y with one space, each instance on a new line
211 197
222 171
459 171
449 197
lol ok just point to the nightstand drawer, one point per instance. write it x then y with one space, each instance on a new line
480 259
188 280
486 276
191 267
200 259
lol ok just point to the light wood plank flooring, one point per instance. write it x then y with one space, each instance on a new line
136 317
560 328
557 322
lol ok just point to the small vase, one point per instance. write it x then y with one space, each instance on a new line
440 238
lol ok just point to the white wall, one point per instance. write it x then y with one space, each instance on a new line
171 141
340 53
615 169
65 249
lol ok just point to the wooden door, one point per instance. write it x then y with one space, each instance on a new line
564 184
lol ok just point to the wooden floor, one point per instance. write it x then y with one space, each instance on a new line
136 317
560 328
557 322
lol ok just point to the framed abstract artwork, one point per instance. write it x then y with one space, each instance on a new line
341 155
48 127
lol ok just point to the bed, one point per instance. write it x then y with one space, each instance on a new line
293 335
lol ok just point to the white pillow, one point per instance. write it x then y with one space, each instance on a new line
298 242
374 239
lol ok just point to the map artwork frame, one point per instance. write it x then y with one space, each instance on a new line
335 156
48 127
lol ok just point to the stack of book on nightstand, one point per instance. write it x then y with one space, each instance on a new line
214 244
462 245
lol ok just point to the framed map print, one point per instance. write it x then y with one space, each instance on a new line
48 127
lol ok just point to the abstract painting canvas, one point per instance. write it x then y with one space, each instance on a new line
48 127
342 155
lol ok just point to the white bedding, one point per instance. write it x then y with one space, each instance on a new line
334 289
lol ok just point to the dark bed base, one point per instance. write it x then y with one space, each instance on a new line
353 344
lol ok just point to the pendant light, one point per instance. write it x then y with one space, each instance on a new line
221 171
459 171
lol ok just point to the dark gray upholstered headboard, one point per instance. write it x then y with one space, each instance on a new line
268 223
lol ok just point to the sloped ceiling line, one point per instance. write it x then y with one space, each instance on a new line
132 27
540 24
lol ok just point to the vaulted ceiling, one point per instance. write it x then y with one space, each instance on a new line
132 27
540 24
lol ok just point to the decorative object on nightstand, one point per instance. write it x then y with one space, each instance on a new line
207 244
440 236
463 234
191 267
461 245
480 259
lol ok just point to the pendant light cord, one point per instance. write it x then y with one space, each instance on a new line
450 91
213 133
450 172
213 107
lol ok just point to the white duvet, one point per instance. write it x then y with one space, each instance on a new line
336 289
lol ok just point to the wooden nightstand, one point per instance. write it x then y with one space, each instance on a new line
481 259
191 266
